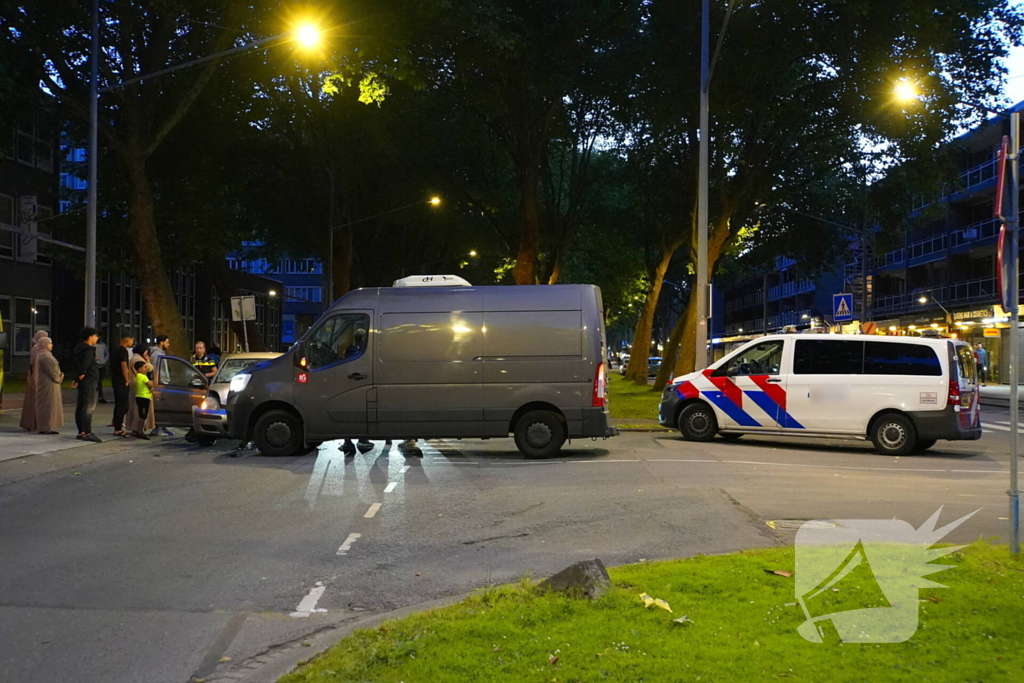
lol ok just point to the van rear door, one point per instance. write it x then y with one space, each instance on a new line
963 372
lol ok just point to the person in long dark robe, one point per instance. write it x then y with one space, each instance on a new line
28 407
49 406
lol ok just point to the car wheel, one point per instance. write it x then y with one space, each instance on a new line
731 436
539 434
893 434
278 433
697 422
924 444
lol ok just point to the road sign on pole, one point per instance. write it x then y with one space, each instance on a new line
842 307
243 309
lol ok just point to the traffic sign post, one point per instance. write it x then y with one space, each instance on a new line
243 309
842 308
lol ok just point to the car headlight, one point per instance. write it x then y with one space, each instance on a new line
239 382
211 402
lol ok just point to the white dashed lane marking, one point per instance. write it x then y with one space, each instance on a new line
372 511
308 604
347 545
390 487
404 469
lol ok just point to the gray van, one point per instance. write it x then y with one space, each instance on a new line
424 361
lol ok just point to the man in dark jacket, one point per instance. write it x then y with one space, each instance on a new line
86 378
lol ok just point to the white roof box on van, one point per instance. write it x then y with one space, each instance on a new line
432 281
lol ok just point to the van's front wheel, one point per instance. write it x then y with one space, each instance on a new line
539 434
697 422
893 434
278 432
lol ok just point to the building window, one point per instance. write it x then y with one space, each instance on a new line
314 294
7 143
44 227
7 238
26 148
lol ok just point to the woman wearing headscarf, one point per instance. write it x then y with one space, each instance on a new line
28 408
141 353
49 411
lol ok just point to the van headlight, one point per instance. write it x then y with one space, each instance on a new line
239 382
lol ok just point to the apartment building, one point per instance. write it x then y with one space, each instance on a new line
943 276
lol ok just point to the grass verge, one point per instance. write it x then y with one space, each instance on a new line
741 630
631 401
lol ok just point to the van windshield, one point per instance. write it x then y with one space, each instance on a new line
233 366
966 363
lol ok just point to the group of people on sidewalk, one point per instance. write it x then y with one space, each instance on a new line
131 378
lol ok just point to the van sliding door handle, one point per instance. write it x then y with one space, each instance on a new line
357 376
775 380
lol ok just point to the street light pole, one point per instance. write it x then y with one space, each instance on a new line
90 231
1012 226
701 290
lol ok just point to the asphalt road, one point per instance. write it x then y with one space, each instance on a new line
152 562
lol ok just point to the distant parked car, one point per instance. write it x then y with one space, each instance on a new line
623 363
653 365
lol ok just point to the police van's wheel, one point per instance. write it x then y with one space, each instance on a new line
924 444
697 422
278 433
539 434
893 434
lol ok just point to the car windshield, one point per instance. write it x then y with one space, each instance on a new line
233 366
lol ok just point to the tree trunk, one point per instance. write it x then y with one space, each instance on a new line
161 305
342 260
687 352
637 369
528 159
224 282
670 357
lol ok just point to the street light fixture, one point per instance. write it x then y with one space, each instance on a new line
473 253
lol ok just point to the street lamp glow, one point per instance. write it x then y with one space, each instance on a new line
434 201
272 292
307 35
923 300
905 91
472 253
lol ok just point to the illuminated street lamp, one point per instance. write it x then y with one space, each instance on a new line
472 253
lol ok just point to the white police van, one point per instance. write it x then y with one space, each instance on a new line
902 393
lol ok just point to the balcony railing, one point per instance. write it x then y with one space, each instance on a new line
790 289
982 289
974 232
969 179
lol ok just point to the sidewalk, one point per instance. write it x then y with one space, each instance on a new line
15 442
997 395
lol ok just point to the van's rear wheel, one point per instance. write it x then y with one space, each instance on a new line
278 432
893 434
539 434
697 422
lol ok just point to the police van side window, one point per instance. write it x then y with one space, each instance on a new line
887 358
340 338
762 359
826 357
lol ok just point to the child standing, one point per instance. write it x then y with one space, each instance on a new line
143 397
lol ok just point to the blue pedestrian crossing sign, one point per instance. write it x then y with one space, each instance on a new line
842 307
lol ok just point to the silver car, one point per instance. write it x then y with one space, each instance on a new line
217 392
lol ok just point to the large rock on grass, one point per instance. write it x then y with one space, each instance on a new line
586 579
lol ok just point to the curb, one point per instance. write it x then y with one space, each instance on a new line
283 658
